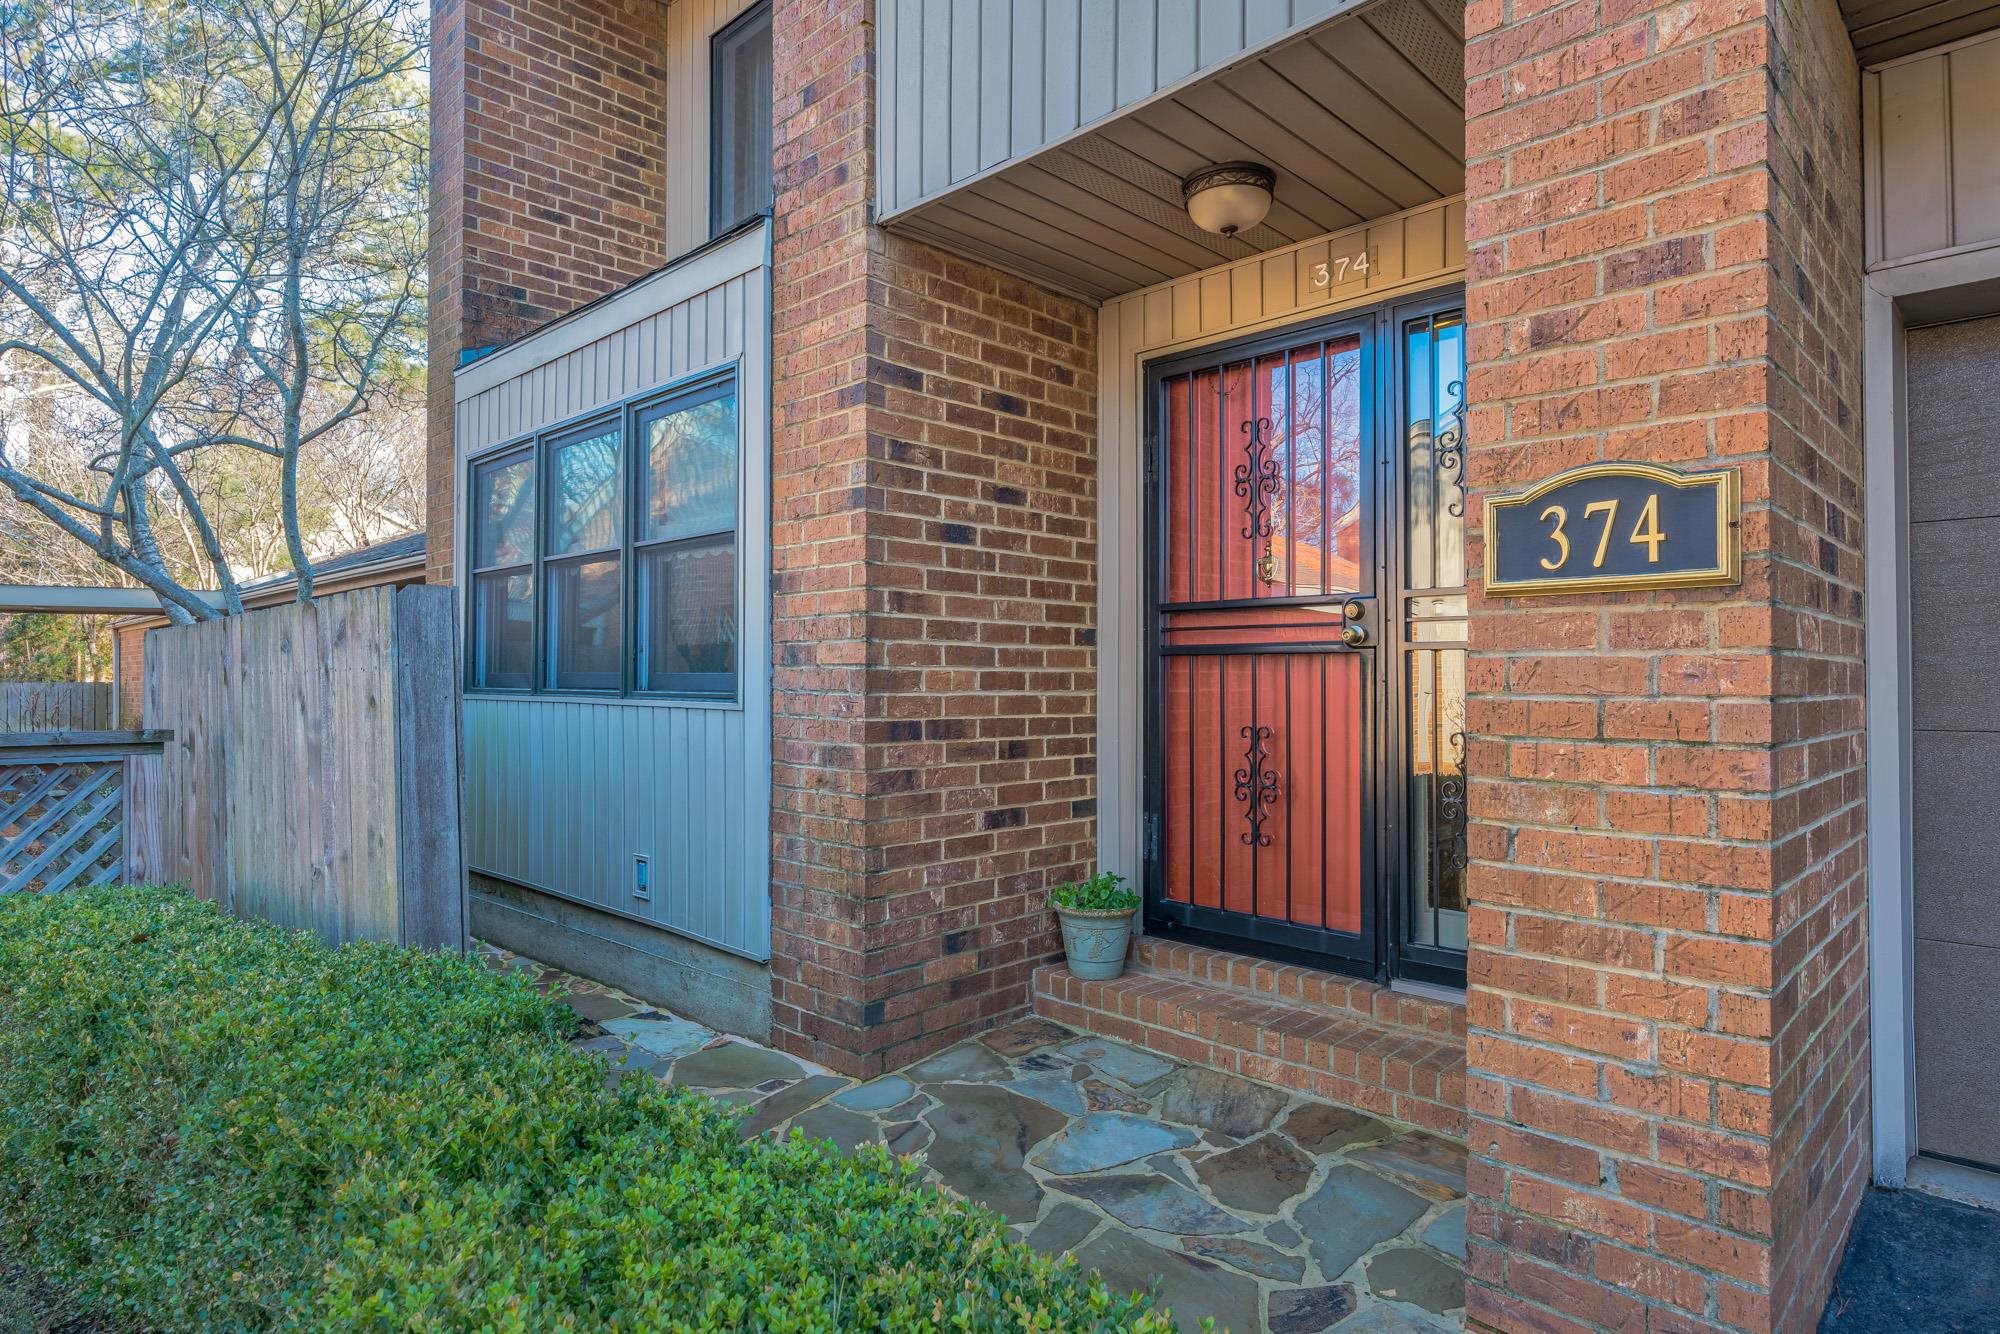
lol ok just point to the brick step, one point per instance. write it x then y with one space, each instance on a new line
1297 987
1389 1069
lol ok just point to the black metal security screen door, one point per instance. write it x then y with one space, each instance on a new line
1305 746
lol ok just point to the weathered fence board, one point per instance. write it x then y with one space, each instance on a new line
67 814
55 706
314 779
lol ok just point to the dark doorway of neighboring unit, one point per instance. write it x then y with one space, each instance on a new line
1954 526
1306 793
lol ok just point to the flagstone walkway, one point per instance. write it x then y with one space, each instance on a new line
1257 1206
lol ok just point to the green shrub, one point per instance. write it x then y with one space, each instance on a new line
214 1124
1100 893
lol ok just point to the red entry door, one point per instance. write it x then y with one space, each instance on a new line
1264 583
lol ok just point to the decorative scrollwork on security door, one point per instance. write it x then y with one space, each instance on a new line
1257 478
1452 849
1450 447
1257 785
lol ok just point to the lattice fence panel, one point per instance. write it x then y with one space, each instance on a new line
61 824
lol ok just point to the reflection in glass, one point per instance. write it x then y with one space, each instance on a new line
740 121
503 631
687 618
585 615
1435 629
503 507
1435 410
586 482
1297 431
689 487
1438 852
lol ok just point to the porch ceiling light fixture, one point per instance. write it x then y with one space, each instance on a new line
1229 196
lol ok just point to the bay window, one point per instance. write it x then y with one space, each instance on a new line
623 567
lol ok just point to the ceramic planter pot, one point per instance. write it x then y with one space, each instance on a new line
1096 941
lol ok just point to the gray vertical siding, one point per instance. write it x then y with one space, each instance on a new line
561 793
1932 175
970 85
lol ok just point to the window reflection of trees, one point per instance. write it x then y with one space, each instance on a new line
691 470
587 490
507 504
1316 540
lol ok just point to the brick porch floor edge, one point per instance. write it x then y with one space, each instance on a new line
1347 1041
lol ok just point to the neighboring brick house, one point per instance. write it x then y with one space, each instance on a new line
395 560
852 554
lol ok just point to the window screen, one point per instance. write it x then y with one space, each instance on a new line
740 121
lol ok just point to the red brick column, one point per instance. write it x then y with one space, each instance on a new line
1668 1046
548 182
934 547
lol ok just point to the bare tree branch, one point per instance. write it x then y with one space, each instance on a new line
211 271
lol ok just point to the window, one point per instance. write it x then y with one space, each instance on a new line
581 571
551 567
503 578
740 121
686 549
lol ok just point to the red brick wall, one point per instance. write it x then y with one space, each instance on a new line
1667 1048
934 549
548 181
1820 959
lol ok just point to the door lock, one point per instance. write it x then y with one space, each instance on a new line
1355 611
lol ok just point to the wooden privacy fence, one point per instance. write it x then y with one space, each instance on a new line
78 808
313 778
55 706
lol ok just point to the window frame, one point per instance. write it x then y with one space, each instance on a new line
685 398
548 561
758 14
493 460
709 384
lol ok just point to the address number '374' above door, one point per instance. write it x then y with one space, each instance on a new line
1611 526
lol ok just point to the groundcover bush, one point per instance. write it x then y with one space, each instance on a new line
213 1124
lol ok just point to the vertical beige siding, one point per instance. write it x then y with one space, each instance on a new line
1932 136
690 26
562 793
970 85
1409 253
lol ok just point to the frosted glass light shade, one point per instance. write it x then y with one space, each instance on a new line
1229 197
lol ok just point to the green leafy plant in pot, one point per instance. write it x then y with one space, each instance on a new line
1096 924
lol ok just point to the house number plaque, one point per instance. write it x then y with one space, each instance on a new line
1611 526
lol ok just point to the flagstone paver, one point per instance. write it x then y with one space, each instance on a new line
1191 1286
1259 1176
1419 1277
983 1134
1148 1201
877 1095
1054 1090
1219 1102
1309 1310
1261 1208
1352 1213
1107 1139
1127 1065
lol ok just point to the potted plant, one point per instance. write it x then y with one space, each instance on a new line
1096 924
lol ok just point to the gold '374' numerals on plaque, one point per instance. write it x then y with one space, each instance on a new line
1618 524
1646 531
